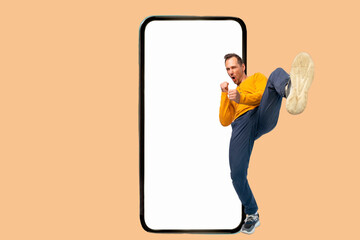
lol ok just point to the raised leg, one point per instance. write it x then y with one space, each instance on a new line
271 101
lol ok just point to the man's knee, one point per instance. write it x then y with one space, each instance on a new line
277 72
279 69
277 76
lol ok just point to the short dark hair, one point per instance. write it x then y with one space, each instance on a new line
230 55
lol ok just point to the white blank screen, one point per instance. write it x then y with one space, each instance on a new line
187 182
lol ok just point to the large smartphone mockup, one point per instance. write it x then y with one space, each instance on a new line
185 183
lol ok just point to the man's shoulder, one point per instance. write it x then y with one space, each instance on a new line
257 75
255 79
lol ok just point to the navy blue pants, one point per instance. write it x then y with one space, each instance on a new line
249 127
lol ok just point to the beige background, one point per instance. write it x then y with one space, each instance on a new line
69 118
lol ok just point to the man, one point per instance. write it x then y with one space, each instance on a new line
252 109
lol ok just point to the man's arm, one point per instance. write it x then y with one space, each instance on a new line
227 108
253 99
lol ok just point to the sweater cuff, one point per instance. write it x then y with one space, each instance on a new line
224 94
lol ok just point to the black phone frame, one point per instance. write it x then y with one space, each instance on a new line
143 25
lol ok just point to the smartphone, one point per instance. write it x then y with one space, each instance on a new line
185 183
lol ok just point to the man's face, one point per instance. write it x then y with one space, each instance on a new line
235 71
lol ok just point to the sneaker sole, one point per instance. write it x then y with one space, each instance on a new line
301 75
253 230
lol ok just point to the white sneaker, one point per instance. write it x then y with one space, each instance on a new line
301 77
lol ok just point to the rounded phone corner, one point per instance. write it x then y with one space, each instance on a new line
241 22
146 21
144 225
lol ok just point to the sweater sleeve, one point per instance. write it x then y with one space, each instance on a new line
254 98
227 110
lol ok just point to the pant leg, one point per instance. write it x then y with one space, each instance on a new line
241 144
270 104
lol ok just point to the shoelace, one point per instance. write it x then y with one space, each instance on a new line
251 218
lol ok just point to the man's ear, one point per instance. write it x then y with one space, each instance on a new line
243 66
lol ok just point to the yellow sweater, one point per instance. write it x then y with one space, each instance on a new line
251 91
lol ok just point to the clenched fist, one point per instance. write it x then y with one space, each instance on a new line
234 95
224 86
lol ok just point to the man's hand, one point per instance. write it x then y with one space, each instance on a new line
234 95
224 86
